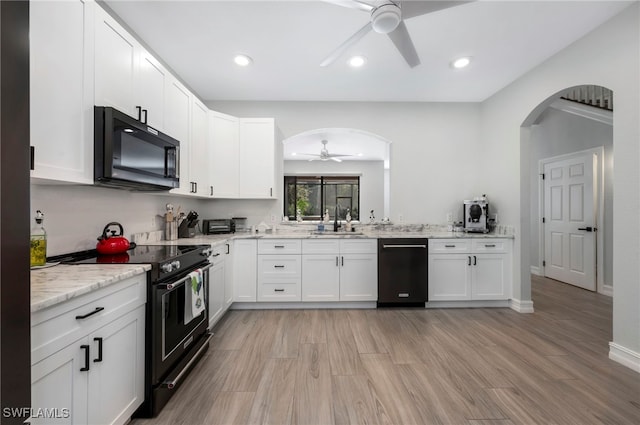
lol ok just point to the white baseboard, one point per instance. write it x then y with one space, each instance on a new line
606 290
467 304
301 305
624 356
535 270
521 306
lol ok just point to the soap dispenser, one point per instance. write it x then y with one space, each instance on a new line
38 245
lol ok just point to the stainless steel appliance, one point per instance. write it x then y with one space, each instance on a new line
172 347
402 272
476 215
221 225
130 154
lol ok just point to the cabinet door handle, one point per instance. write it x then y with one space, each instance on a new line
337 264
99 359
475 260
84 316
195 187
449 246
279 267
490 245
271 191
215 255
86 358
469 258
278 290
32 151
211 187
139 108
228 248
144 111
342 261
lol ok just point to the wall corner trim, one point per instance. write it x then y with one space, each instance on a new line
535 270
624 356
521 306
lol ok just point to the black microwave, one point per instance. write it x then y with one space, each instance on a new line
130 154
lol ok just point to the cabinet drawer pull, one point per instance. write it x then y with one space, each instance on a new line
279 267
403 295
491 245
449 246
278 290
84 316
278 246
99 359
86 358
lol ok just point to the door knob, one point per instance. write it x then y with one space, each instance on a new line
588 229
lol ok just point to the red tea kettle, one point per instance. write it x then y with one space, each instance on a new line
112 243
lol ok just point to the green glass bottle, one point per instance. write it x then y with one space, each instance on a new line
38 242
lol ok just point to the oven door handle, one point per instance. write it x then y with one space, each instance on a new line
173 286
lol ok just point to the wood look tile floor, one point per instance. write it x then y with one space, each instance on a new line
413 366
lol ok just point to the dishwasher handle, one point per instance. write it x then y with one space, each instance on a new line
405 246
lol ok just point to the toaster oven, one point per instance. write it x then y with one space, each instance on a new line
217 226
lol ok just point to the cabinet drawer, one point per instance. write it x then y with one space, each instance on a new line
320 246
275 268
279 292
358 246
449 245
490 245
58 326
279 246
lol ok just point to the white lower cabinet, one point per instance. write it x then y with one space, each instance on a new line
88 357
339 270
217 279
245 270
228 277
279 270
469 269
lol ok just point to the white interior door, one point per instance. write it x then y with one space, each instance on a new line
570 219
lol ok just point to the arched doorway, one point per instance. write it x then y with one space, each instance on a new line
571 126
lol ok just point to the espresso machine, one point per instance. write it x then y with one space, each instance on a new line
187 227
476 215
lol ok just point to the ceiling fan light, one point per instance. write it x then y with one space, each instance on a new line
385 18
461 62
242 60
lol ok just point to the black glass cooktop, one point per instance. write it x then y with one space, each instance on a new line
141 254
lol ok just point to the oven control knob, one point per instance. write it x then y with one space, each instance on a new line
175 264
166 267
207 252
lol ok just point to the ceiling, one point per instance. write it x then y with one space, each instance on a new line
288 39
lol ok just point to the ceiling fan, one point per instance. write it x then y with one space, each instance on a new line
324 154
387 17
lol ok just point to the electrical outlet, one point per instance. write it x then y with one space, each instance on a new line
153 222
400 218
273 218
449 217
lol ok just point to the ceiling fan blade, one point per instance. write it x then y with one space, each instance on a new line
352 4
416 8
335 159
401 38
344 46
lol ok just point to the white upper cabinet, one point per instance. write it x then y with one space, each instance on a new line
151 82
61 90
115 64
127 77
178 125
257 158
198 150
224 159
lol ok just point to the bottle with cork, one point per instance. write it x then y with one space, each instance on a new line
38 246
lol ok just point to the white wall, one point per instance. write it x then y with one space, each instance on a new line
371 179
559 133
434 150
609 56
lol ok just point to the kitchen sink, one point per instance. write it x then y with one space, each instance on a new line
331 233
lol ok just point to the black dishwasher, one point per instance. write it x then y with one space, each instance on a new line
402 272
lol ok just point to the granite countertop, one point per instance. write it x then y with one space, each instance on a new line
53 285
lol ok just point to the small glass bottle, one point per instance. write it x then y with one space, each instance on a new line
38 251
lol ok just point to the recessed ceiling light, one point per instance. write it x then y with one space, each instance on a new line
293 154
242 60
461 62
357 61
360 154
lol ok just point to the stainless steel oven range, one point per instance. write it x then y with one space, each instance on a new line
173 344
